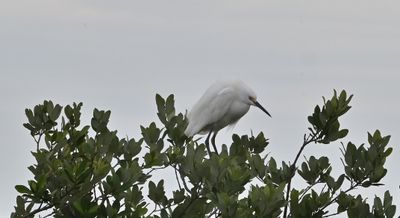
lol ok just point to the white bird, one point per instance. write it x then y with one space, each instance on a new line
223 104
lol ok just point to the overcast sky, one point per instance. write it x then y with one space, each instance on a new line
118 54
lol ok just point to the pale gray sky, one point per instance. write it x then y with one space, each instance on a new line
118 54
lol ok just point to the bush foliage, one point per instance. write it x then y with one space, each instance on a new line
88 171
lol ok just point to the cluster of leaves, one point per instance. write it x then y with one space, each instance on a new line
78 175
325 120
88 171
361 170
363 167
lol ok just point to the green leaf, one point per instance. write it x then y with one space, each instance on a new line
156 193
388 152
339 182
134 147
33 186
68 112
160 104
20 205
41 183
169 107
258 165
100 120
390 209
164 214
151 134
78 207
23 189
343 133
55 113
256 144
349 153
29 115
93 210
179 196
30 128
161 109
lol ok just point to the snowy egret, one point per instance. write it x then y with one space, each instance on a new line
223 104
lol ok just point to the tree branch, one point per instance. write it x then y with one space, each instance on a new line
307 140
40 209
334 199
177 179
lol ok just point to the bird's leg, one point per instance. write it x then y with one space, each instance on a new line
208 143
213 142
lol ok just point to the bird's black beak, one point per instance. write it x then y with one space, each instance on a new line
261 107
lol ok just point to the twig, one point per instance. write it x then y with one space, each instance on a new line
183 180
307 189
177 179
190 204
333 214
155 168
334 199
185 185
155 208
307 140
38 141
40 209
213 213
104 196
48 206
166 207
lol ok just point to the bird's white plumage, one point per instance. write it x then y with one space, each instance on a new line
223 104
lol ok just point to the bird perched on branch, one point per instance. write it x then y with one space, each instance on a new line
223 104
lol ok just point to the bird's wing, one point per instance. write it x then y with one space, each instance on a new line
210 110
220 104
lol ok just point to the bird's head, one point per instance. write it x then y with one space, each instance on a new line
253 101
248 96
